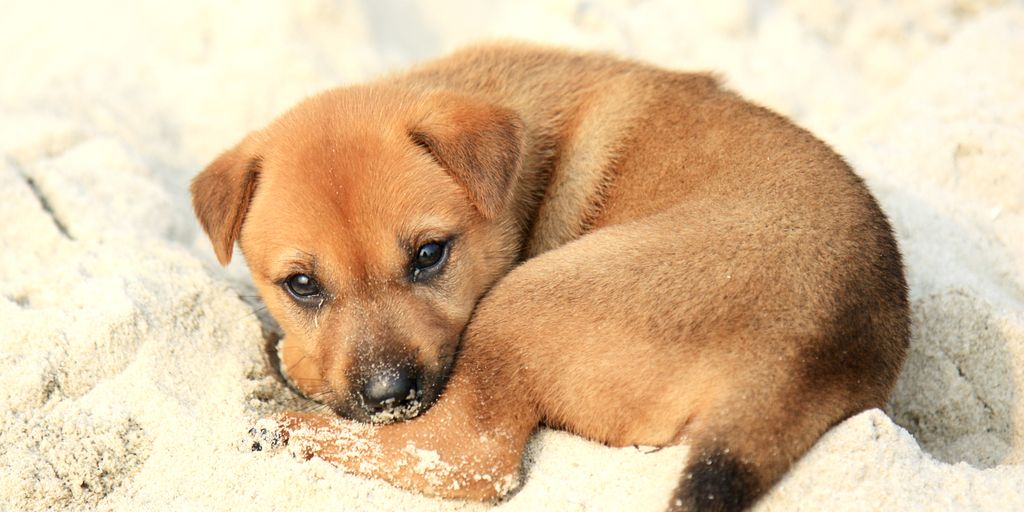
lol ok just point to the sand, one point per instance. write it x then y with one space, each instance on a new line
133 365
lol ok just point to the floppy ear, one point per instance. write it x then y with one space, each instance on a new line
221 196
479 144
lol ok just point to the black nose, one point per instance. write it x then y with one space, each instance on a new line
389 388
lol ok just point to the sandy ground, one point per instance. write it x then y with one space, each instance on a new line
132 365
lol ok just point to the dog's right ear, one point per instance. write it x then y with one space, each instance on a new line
221 196
480 145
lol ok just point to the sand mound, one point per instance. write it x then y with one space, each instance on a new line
133 365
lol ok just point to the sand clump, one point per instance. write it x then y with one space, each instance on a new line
133 366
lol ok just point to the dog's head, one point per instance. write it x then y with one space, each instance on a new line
372 221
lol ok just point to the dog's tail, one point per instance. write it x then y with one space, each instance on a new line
745 444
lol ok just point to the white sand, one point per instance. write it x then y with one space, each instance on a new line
132 368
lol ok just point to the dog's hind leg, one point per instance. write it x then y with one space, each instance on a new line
695 326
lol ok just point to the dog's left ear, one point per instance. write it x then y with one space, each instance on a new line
479 144
221 196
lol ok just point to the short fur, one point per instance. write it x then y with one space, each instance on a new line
638 256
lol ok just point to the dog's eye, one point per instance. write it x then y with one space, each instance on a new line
429 259
428 255
302 286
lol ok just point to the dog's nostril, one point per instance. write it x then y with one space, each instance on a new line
389 388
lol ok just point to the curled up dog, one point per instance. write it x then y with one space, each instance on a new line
514 235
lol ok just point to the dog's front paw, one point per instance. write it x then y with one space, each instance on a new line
302 435
267 435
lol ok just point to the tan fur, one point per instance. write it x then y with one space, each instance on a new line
639 257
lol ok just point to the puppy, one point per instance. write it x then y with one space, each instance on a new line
515 235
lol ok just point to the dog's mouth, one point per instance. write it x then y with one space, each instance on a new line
394 410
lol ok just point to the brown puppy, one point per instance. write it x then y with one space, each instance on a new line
516 235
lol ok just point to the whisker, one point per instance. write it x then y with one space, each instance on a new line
301 359
316 403
252 312
315 407
308 379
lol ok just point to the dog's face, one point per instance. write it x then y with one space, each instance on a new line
372 221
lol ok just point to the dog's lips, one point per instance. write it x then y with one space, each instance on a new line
352 408
407 410
433 387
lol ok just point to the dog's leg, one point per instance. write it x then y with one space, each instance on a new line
468 445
